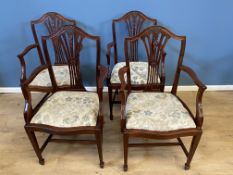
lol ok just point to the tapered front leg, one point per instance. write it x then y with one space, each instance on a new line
35 145
193 147
110 101
126 139
99 146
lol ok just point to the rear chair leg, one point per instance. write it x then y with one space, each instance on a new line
32 138
110 101
126 139
99 146
193 147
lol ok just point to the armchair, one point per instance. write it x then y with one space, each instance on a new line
159 115
70 109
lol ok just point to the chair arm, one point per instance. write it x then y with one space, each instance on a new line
193 75
24 81
28 111
123 98
23 78
22 61
101 76
201 89
108 54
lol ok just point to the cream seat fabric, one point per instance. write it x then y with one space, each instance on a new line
69 109
61 73
138 72
156 112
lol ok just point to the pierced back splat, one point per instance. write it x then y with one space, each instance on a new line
134 22
68 44
154 41
53 22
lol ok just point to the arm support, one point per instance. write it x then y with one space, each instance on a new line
27 96
201 89
121 74
22 61
24 81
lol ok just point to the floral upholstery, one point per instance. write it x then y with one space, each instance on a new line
156 112
138 72
61 73
69 109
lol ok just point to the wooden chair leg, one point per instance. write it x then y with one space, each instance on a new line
110 101
101 135
126 139
35 145
193 147
99 146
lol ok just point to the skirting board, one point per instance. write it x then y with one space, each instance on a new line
167 88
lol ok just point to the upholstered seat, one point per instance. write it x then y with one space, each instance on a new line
61 74
156 112
138 72
78 109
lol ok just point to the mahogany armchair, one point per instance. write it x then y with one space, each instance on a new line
70 109
159 115
39 79
134 22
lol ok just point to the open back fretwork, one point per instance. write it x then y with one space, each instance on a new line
68 44
154 42
132 23
52 22
135 22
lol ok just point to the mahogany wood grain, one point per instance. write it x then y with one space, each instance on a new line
155 39
68 43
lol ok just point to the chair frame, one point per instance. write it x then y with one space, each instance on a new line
29 111
198 119
127 19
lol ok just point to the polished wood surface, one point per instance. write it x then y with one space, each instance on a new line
52 21
155 39
213 156
68 43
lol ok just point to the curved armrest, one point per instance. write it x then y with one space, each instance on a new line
108 54
24 81
123 98
193 75
22 61
201 89
27 49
